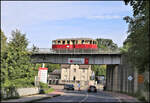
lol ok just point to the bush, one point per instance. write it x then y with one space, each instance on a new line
44 88
23 83
49 90
9 92
142 99
43 85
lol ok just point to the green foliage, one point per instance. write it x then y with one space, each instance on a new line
43 85
44 88
106 44
3 56
3 41
138 38
16 68
125 48
49 90
103 44
139 96
52 67
18 57
99 70
146 85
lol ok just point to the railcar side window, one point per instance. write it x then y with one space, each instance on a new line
87 41
76 41
63 42
58 42
90 41
94 42
68 42
82 41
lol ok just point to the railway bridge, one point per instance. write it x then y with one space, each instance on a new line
117 71
112 58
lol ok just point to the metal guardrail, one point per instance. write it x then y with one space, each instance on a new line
73 51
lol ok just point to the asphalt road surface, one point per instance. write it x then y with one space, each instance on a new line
82 96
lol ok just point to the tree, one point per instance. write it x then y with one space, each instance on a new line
3 41
103 44
99 70
4 74
138 38
18 65
52 67
106 44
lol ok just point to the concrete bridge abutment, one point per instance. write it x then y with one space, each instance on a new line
112 78
125 78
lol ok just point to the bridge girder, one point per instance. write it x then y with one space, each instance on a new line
63 58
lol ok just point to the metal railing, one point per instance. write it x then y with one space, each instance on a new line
74 51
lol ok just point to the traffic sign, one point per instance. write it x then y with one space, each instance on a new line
78 60
140 78
42 75
130 77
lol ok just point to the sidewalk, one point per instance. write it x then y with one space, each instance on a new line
35 97
123 97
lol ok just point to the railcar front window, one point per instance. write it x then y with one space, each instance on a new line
54 42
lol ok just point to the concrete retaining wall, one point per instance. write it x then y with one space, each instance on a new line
13 92
117 79
27 91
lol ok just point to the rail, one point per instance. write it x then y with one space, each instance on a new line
73 51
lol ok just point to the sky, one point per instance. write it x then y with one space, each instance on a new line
44 21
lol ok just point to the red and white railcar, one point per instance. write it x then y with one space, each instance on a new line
74 43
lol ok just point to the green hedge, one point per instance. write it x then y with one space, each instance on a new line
43 85
44 88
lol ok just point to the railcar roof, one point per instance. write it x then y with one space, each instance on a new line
75 39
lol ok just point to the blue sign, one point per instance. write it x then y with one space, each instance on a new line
78 85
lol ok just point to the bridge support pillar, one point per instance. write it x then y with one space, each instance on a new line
112 78
115 78
109 78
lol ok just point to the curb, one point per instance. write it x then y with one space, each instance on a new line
43 98
126 100
34 100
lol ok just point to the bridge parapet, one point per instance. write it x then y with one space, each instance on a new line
74 51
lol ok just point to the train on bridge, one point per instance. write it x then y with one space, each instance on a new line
74 43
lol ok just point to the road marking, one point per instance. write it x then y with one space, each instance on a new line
118 99
84 98
98 96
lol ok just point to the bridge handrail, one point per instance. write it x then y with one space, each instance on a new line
74 51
